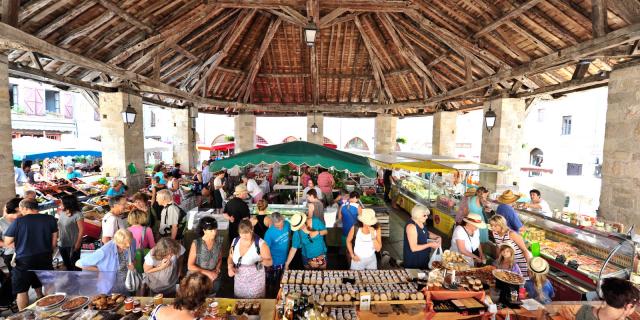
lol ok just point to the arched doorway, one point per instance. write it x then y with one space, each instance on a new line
357 143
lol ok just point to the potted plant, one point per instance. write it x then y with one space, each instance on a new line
401 140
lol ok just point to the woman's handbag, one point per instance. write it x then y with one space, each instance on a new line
134 278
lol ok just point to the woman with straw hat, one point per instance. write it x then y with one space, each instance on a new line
466 239
308 235
364 240
236 210
505 209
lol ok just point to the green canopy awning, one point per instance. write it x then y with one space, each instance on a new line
299 153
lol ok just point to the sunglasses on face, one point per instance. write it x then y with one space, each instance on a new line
237 265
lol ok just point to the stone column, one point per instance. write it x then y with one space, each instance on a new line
121 144
318 119
444 134
621 157
245 132
385 133
184 140
7 187
503 145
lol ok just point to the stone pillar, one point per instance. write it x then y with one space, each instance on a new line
245 132
184 140
444 133
621 157
385 133
121 144
7 187
318 119
503 145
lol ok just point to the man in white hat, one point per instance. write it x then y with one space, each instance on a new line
236 209
308 235
364 240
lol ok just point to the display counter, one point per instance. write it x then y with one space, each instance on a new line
576 254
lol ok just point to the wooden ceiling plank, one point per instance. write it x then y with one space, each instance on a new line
353 68
378 43
468 69
31 8
574 12
105 17
628 10
553 26
294 13
345 18
359 5
538 41
507 17
64 19
257 59
599 18
124 15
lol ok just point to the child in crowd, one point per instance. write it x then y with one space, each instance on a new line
506 260
538 286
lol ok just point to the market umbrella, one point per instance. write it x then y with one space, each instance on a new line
299 153
34 148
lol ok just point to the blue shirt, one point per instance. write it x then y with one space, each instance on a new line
349 217
161 176
74 174
278 242
513 221
547 291
311 247
112 192
32 234
106 257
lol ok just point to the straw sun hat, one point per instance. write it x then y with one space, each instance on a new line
539 265
297 221
475 220
240 189
470 192
368 217
508 197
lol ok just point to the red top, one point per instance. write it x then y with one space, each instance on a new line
325 182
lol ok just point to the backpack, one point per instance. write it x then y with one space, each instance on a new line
256 241
182 222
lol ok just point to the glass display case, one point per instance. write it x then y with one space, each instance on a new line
578 255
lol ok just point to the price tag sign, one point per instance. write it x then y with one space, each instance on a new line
365 301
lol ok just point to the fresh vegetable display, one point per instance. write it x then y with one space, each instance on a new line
371 200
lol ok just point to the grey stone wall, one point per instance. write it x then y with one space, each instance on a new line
245 132
184 145
385 133
7 183
619 200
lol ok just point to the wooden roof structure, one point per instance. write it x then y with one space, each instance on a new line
406 57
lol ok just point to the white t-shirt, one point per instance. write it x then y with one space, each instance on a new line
545 209
471 242
253 188
168 217
149 260
111 224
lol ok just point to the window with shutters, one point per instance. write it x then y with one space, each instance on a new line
566 125
52 101
574 169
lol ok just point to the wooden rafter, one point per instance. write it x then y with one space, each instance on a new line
10 9
248 87
331 16
375 64
599 17
507 17
354 5
64 18
288 18
243 21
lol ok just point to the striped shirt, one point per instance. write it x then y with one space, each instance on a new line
519 255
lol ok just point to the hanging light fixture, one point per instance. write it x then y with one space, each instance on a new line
314 126
310 33
490 118
129 114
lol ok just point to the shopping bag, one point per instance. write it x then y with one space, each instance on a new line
133 281
435 256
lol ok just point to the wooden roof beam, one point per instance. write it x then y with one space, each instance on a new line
354 5
331 16
248 86
287 18
375 64
507 17
10 10
581 69
31 8
243 21
62 20
628 10
599 17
